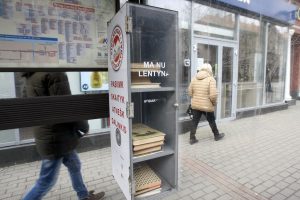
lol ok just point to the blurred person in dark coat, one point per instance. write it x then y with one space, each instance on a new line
56 143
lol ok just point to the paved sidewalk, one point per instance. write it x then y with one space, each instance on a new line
259 158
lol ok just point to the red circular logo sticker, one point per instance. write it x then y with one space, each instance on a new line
116 48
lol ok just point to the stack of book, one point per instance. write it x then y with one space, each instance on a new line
141 80
145 179
146 140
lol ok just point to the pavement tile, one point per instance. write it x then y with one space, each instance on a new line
297 194
287 192
259 188
266 195
293 198
197 195
285 174
268 183
211 196
210 189
296 175
295 186
290 180
282 185
224 197
273 190
278 197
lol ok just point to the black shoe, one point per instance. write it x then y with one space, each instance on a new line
97 196
219 136
193 141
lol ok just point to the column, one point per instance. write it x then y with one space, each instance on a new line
287 96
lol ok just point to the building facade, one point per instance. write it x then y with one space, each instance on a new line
295 56
246 43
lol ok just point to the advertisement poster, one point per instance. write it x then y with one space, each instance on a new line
118 99
93 81
54 33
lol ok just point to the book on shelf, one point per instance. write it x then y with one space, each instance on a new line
145 178
141 66
151 85
139 70
138 81
148 145
146 151
143 134
149 191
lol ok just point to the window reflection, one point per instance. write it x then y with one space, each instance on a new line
227 69
7 86
80 83
250 63
213 22
8 137
276 63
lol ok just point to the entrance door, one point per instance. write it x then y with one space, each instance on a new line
223 58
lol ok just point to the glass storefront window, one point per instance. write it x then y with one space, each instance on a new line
276 63
7 86
8 137
227 80
212 22
80 83
250 79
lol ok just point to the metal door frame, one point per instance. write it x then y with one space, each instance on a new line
220 43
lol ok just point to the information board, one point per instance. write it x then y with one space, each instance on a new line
61 33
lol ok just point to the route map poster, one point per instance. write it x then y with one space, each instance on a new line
54 33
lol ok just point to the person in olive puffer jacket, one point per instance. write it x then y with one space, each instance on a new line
203 92
56 143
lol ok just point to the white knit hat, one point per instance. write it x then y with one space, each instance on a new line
206 66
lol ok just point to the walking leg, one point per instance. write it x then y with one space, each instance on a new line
47 179
195 121
212 123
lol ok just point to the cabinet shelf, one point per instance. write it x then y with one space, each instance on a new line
164 152
161 89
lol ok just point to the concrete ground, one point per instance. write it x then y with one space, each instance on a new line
259 158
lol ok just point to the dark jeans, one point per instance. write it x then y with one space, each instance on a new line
210 116
49 174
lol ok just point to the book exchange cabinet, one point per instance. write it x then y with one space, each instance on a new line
143 53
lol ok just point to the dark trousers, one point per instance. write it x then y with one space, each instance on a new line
210 116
